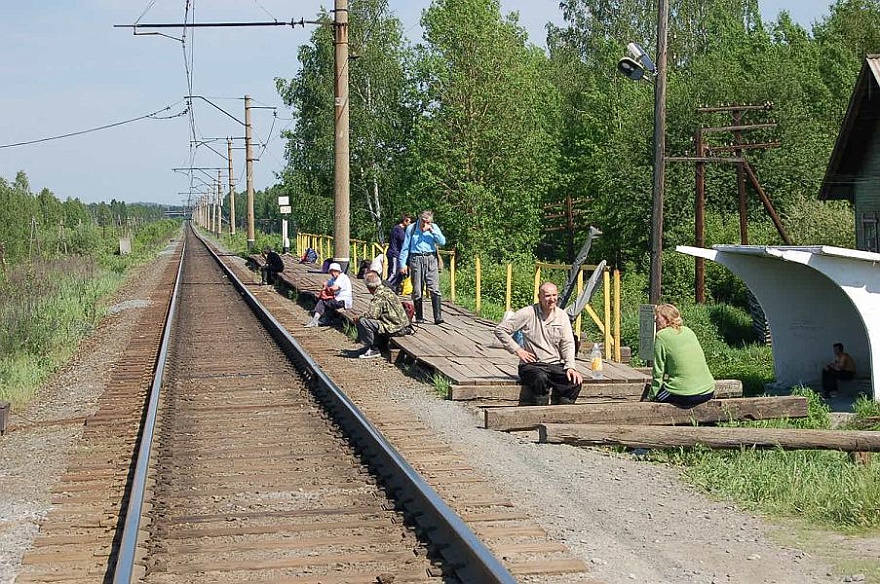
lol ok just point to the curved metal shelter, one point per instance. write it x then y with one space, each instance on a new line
812 296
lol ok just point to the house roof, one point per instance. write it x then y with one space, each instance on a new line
855 132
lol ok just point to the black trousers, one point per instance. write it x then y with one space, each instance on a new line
543 378
830 377
268 275
681 401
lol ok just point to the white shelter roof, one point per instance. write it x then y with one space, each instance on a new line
812 296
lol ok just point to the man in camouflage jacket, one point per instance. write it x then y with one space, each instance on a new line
385 316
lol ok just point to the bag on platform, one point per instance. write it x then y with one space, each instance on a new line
309 257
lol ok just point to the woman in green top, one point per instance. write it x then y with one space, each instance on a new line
680 375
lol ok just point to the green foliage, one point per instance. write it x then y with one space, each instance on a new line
57 262
442 385
49 306
866 409
820 486
485 148
381 112
824 487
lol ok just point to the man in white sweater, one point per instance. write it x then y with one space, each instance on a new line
546 359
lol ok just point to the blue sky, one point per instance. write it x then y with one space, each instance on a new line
65 69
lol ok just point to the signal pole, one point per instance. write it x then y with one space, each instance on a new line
219 204
249 171
231 188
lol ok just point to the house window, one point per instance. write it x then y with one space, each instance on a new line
871 232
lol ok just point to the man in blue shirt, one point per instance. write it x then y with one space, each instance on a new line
418 257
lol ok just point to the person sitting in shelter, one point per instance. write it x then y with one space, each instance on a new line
842 367
274 265
546 358
680 374
384 317
335 294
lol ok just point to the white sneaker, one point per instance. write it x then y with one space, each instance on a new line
370 354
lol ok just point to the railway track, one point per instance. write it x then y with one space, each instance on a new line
251 479
262 469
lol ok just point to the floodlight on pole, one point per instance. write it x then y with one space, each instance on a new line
634 68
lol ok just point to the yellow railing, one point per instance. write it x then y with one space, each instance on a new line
608 324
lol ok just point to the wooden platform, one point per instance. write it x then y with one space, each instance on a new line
464 348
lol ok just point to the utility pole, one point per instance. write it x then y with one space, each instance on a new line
659 154
341 219
231 188
341 227
249 172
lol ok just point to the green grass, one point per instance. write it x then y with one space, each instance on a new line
51 304
822 487
49 307
442 385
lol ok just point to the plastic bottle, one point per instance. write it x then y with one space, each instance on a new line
596 360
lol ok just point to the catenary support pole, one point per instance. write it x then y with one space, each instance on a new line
341 228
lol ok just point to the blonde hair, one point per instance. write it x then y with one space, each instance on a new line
670 314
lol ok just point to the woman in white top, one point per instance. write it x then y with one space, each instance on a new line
336 294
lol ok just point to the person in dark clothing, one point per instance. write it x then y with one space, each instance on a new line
274 265
395 244
842 368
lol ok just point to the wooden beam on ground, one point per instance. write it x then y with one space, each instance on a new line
513 393
665 437
648 413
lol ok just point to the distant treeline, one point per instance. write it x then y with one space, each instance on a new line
41 226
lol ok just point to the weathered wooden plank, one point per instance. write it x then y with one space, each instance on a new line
665 437
547 567
516 393
511 391
650 413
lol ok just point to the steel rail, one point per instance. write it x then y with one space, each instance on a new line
466 554
125 559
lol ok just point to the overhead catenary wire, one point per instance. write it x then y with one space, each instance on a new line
104 127
187 45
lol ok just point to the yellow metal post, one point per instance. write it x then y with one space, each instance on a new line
606 288
509 286
617 356
479 277
452 277
537 282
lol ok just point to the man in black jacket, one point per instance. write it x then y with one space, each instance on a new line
274 265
